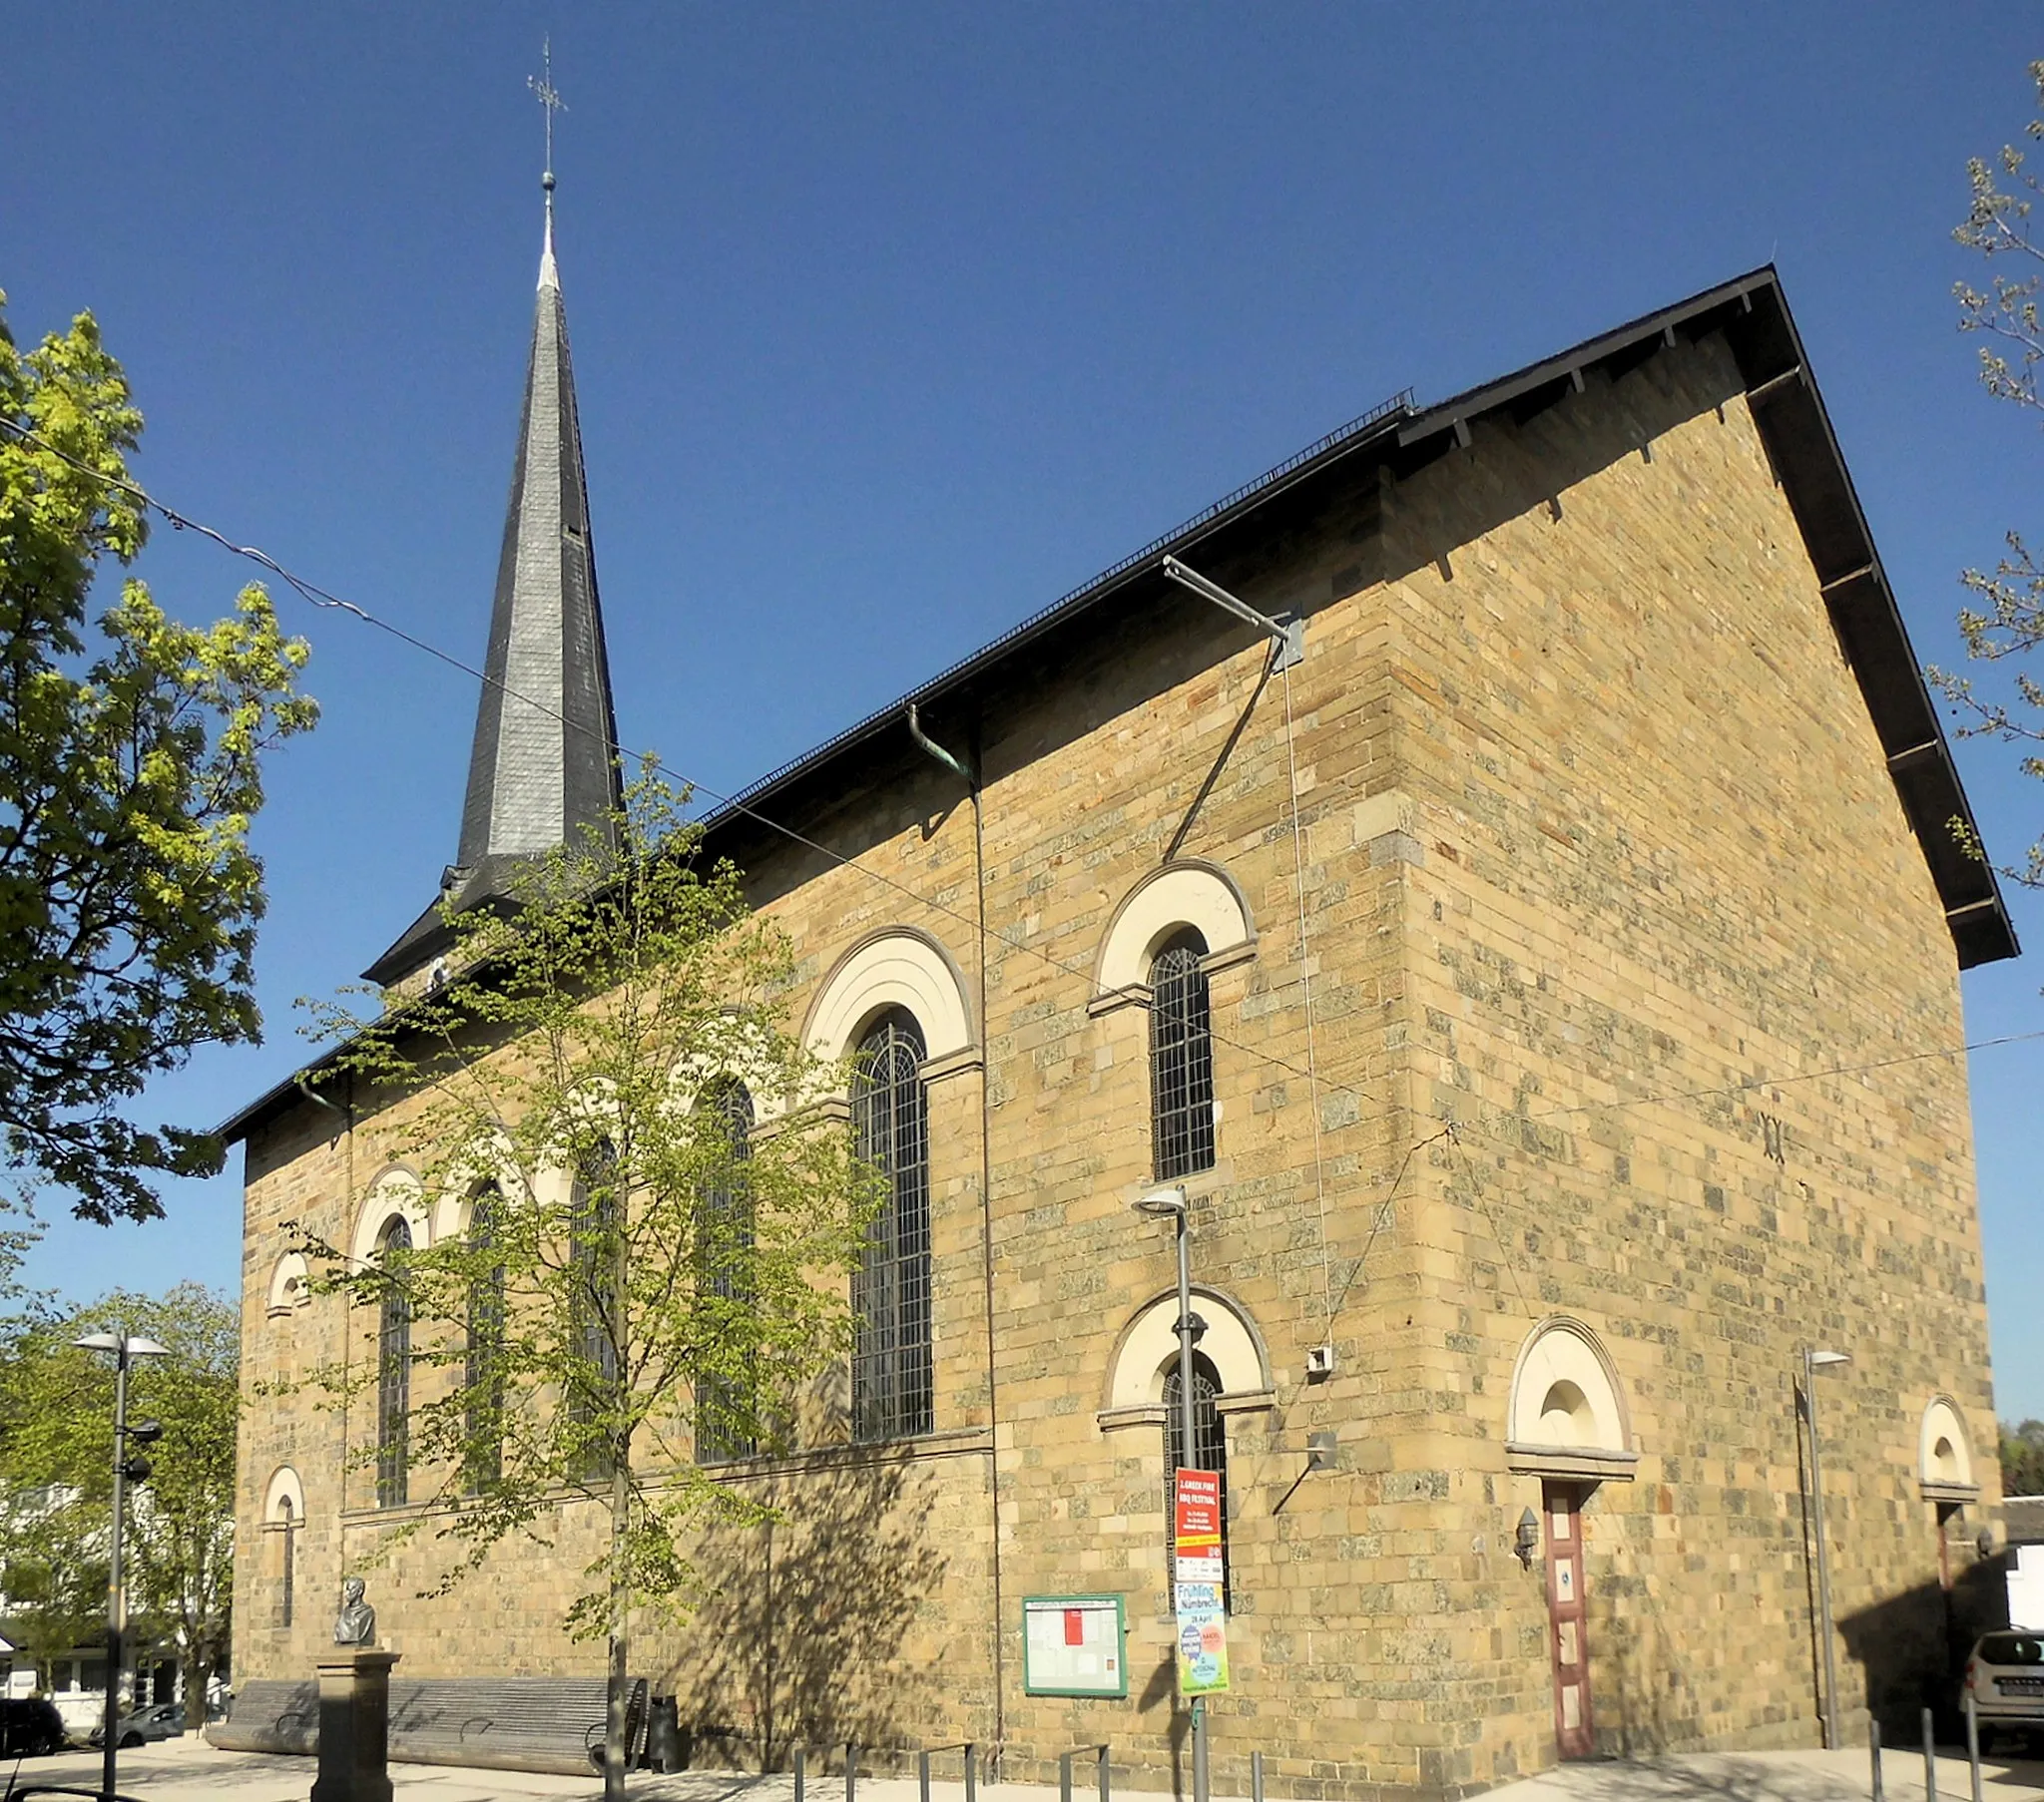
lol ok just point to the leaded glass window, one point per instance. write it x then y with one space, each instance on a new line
1181 1059
485 1372
723 1258
891 1381
393 1376
288 1531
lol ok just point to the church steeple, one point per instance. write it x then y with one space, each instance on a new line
544 763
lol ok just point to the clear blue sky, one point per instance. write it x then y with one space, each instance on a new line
893 325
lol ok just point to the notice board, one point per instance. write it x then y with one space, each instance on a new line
1073 1646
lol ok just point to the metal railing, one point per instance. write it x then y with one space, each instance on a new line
1065 1771
923 1767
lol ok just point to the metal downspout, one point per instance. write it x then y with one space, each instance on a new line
986 1238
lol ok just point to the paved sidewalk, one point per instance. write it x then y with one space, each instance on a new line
187 1770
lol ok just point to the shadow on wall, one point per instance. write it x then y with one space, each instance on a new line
800 1622
1913 1648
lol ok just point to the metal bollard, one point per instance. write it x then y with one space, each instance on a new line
1929 1760
922 1774
850 1770
1874 1746
1973 1743
801 1758
1065 1778
971 1780
1102 1776
1256 1779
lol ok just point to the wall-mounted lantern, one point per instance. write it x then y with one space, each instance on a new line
1527 1540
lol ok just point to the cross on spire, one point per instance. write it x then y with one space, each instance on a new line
542 86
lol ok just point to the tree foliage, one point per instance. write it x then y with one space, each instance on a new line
2008 619
56 1470
659 1217
2022 1459
130 769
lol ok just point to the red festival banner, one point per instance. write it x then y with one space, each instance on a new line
1198 1522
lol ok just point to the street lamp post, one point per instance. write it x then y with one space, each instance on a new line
1813 1362
126 1348
1171 1202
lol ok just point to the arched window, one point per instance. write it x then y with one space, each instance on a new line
1210 1448
891 1382
1181 1059
286 1532
724 1273
485 1372
393 1376
594 1224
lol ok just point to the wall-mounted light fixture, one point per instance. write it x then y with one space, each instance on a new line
1527 1540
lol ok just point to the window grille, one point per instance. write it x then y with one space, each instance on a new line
723 1253
1210 1442
393 1378
593 1218
485 1373
1181 1060
891 1382
286 1531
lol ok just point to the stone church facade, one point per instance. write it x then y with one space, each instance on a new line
1569 934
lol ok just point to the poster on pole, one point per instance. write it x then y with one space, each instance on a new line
1196 1588
1197 1509
1201 1639
1073 1646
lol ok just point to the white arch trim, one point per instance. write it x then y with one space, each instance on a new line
284 1484
396 1191
1147 1353
895 968
289 1283
1196 894
1944 1454
1567 1414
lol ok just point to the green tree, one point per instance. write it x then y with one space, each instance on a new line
56 1457
659 1218
2022 1459
54 1574
130 769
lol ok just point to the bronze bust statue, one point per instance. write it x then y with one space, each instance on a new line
356 1624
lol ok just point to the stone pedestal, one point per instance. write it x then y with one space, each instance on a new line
354 1726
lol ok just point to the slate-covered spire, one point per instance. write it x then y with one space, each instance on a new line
544 763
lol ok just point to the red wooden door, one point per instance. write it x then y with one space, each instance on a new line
1562 1503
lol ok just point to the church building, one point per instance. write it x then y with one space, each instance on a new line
1497 874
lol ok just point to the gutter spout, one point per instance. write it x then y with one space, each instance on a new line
936 750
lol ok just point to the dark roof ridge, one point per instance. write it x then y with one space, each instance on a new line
1754 312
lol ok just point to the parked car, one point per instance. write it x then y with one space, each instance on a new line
160 1720
2005 1678
30 1725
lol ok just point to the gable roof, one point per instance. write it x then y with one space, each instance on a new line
1753 313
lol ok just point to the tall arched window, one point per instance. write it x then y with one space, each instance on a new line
1210 1447
1181 1059
594 1222
485 1372
723 1271
286 1532
891 1382
393 1376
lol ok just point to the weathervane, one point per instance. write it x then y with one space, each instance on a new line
542 86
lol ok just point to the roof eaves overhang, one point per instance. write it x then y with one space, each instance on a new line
1753 314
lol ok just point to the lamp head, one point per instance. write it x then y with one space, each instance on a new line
1824 1360
1163 1203
135 1344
